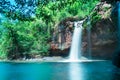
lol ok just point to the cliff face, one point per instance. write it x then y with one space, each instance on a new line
104 38
103 35
62 37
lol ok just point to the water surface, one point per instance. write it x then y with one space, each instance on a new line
97 70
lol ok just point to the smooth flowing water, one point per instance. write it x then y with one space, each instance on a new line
89 38
96 70
75 51
89 43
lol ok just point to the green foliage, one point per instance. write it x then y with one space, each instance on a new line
32 36
24 38
4 43
55 11
95 17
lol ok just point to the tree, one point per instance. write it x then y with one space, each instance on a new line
29 24
18 9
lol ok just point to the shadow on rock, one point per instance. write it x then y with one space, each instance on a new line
116 59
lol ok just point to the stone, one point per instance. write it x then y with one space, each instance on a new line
103 36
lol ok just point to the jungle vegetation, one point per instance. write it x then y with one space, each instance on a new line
26 26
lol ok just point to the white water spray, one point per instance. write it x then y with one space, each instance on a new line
75 51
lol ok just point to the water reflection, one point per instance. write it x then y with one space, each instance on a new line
75 71
93 71
59 71
3 71
115 73
19 71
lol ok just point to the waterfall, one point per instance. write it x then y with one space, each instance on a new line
75 51
89 42
89 38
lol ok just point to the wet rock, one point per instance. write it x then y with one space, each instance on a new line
103 36
58 52
62 37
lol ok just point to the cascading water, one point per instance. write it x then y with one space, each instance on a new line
75 51
89 38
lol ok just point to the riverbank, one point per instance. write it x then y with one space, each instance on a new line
51 59
44 59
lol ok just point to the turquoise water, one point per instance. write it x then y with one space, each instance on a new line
99 70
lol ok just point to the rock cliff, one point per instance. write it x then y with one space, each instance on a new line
103 34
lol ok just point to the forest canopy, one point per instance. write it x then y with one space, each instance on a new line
26 25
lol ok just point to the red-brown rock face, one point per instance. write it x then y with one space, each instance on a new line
103 36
